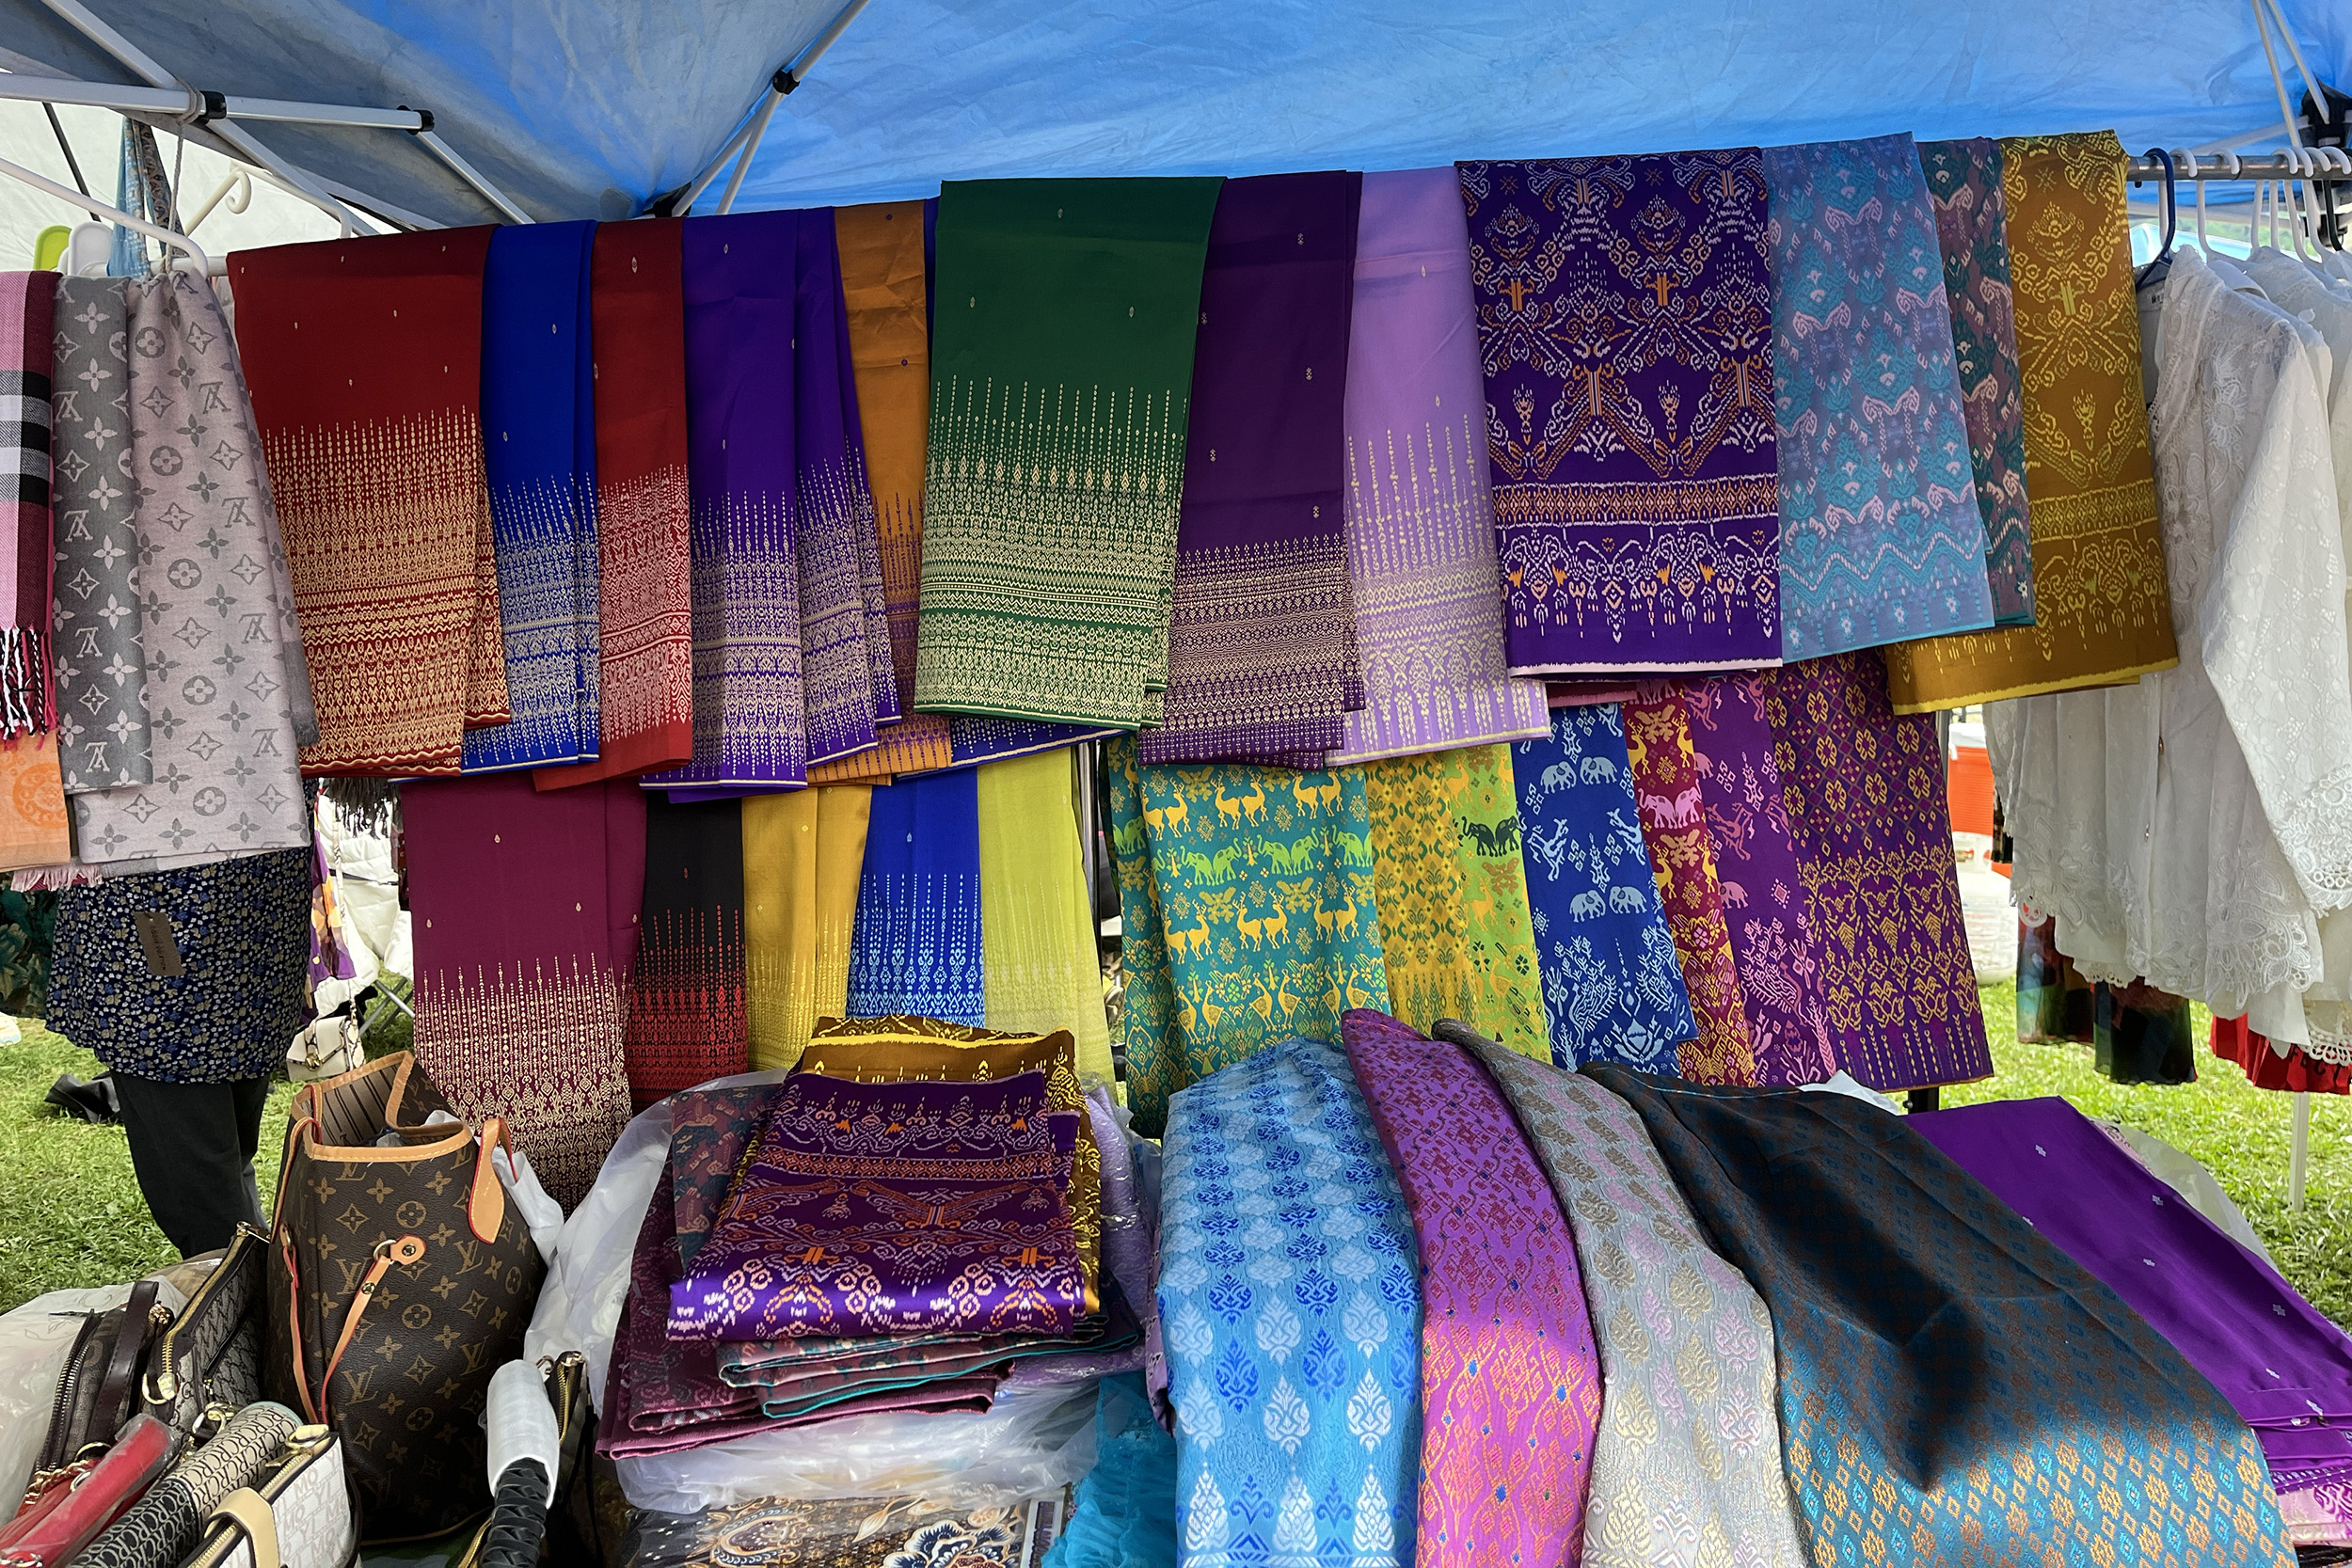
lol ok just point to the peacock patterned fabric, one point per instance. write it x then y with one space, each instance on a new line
1865 789
1953 1388
1775 946
1510 1382
539 454
881 1209
898 1048
1456 937
1421 528
2102 613
1611 983
1259 880
1291 1303
1881 540
1061 372
1625 321
1664 760
1972 227
1687 1461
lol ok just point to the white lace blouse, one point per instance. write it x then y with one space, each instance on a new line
2190 829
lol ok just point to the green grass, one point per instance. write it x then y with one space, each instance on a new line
70 1214
71 1211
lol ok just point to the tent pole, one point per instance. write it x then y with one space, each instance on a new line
139 62
781 85
465 171
2299 1155
751 148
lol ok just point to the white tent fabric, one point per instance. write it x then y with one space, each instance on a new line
589 108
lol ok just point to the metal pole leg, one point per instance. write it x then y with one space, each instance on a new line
2299 1156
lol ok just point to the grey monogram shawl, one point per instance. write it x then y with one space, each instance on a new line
100 659
223 669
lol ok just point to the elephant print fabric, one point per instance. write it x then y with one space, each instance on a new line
1260 879
1455 931
1611 983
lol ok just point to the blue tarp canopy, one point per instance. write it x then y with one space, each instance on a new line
590 109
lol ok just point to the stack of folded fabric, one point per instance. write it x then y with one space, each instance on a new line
895 1231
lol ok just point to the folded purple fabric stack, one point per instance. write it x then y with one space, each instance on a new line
823 1248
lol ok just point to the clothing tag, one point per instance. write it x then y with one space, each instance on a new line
156 941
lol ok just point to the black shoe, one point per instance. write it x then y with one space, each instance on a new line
93 1102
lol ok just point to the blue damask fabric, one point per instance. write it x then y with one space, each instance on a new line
539 448
1290 1305
917 948
1610 980
1881 537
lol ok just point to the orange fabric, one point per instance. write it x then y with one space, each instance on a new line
33 824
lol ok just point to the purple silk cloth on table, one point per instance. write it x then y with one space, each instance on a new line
885 1208
1625 321
1772 947
2282 1365
831 506
740 282
1261 634
1421 529
663 1395
1881 537
1510 1381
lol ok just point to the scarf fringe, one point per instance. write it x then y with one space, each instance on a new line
27 700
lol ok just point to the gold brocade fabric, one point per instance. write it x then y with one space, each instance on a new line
802 855
2102 614
885 1050
883 285
1456 932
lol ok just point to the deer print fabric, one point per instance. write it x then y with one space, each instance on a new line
1257 884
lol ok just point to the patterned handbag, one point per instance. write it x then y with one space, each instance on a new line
159 1528
208 1360
401 1278
300 1517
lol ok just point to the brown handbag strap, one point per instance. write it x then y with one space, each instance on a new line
407 1250
294 1270
122 1364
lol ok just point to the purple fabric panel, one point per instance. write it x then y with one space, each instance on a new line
1261 628
1625 322
2284 1368
836 671
1763 885
889 704
740 280
1421 542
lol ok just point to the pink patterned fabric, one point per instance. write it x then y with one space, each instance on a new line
1510 1381
2319 1516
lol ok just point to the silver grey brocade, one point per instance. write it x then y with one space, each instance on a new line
213 598
101 658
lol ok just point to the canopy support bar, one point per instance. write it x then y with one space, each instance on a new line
167 96
104 213
747 136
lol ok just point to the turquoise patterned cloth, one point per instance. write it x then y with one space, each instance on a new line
1881 537
1611 979
1291 1304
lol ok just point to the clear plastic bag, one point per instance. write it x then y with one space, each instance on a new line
35 1340
1029 1442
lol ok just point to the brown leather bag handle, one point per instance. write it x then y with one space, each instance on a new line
406 1251
116 1389
485 1205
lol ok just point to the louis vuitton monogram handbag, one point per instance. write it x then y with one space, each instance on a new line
400 1280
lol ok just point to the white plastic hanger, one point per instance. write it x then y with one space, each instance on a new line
198 263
